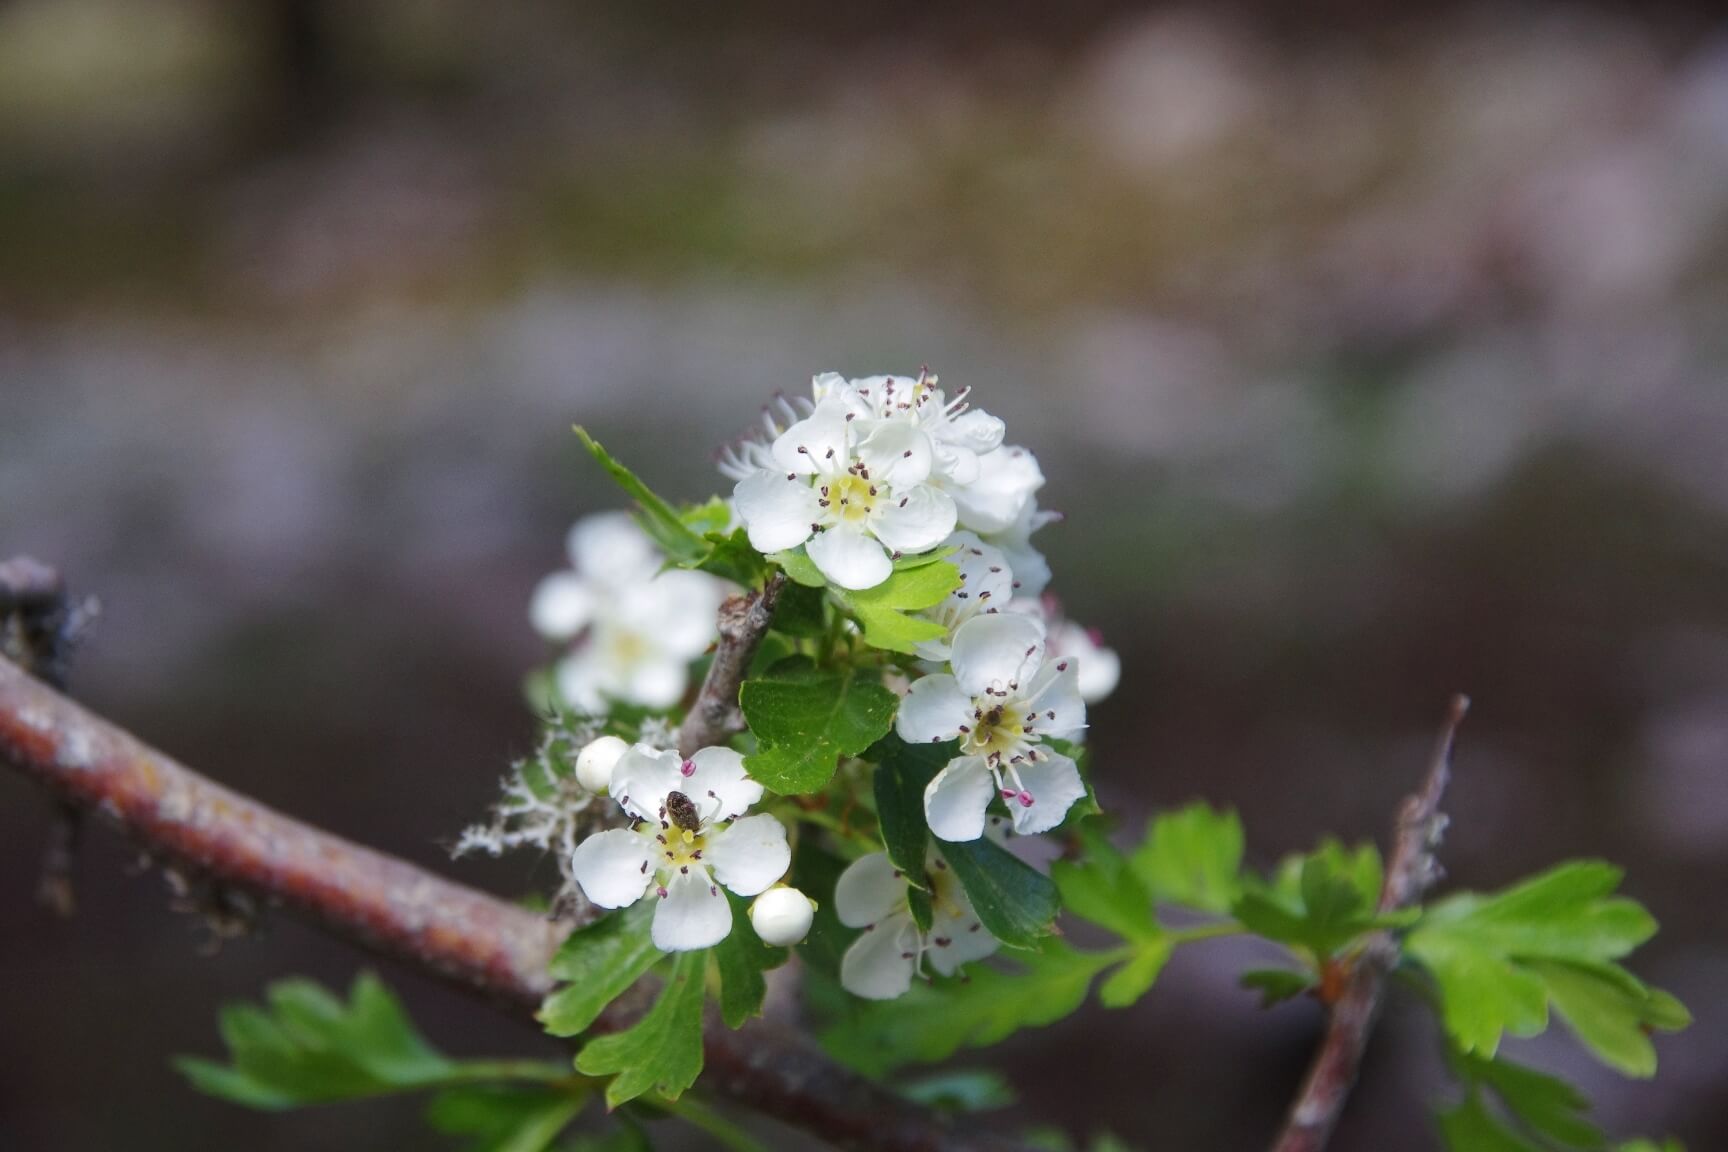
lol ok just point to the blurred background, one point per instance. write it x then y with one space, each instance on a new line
1373 353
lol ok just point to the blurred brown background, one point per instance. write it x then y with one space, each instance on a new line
1373 354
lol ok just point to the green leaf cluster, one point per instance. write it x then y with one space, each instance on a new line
662 1052
885 611
306 1046
1320 903
806 718
1501 962
1508 1107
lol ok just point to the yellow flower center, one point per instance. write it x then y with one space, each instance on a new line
850 497
996 731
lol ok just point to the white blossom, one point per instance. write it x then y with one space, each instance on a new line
855 488
1100 667
872 894
782 916
689 838
635 629
1002 701
986 585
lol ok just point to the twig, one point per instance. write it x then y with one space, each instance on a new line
744 620
37 628
1410 871
387 904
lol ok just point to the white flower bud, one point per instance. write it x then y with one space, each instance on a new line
595 762
781 916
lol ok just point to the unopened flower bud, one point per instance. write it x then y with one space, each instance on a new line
595 762
782 916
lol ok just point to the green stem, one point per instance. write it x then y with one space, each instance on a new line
693 1112
1205 932
492 1071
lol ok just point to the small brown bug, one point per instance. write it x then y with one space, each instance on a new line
682 812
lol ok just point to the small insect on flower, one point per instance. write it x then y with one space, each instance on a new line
688 839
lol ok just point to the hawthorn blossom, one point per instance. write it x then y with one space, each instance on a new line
1002 701
689 837
635 629
960 435
1001 493
986 585
872 894
1100 666
856 489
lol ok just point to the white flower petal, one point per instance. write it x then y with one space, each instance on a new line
749 855
954 802
655 681
777 512
1054 696
896 452
880 963
1054 783
817 443
870 890
612 548
716 775
996 651
975 430
579 678
933 710
643 777
611 867
915 520
1007 480
693 914
957 936
674 611
850 558
562 605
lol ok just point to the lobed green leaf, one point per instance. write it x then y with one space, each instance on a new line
662 1052
806 718
599 961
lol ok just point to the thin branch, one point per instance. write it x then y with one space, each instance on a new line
393 907
744 620
38 625
1411 870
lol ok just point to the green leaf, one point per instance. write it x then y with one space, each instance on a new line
1192 857
308 1047
729 556
658 518
1611 1013
1470 1127
806 718
504 1118
1543 1105
600 961
1134 979
1104 889
740 959
932 1022
1276 985
882 610
799 568
1321 902
1016 902
663 1051
800 612
1500 961
903 771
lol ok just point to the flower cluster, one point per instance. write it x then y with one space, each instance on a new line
854 486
